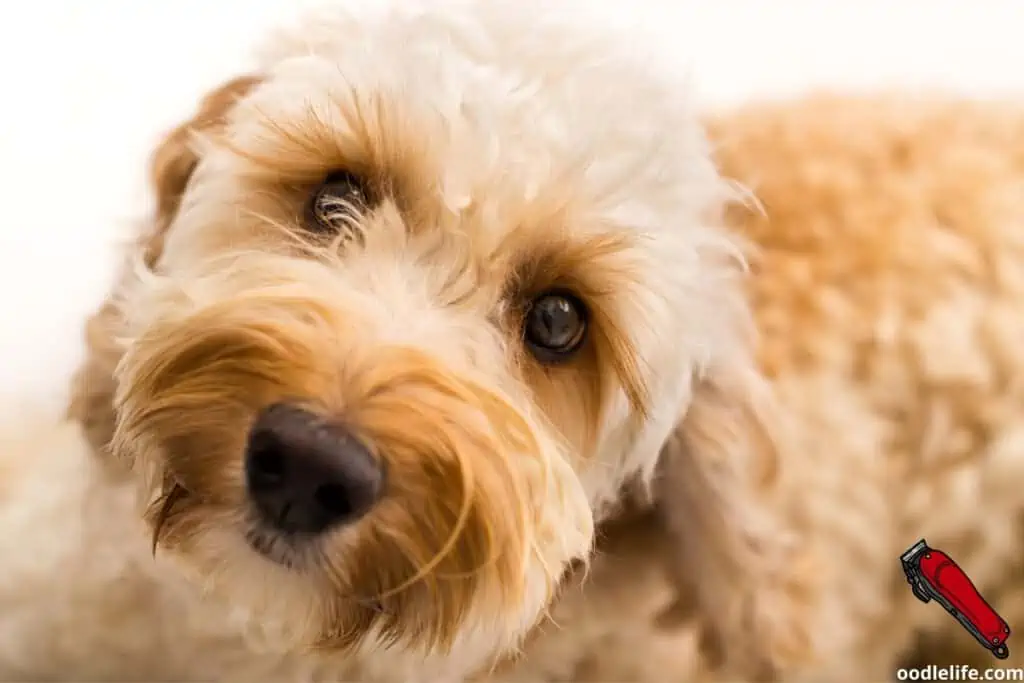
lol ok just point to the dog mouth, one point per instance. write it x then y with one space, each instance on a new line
288 550
297 552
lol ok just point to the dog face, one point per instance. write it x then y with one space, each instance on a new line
420 296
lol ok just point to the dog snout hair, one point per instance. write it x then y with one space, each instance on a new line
418 479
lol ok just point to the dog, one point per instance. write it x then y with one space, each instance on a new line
425 297
421 295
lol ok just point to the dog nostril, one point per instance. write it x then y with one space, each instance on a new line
306 475
267 464
334 498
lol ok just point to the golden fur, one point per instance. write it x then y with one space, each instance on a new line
879 407
887 293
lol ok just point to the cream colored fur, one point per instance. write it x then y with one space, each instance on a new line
514 155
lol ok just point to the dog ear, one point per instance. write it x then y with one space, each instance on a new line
175 158
731 555
171 166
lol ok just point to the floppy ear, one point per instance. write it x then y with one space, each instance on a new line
732 555
171 166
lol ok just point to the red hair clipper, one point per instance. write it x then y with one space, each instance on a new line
933 575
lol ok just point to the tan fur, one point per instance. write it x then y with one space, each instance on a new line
887 294
797 433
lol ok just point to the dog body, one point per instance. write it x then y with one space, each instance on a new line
422 296
889 303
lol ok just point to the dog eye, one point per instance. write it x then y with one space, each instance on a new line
341 198
555 326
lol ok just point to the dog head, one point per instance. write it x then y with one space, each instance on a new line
419 296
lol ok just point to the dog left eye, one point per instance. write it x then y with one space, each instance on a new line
341 198
555 326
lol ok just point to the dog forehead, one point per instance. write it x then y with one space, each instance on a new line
506 95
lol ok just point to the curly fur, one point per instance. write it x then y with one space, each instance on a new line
887 297
788 474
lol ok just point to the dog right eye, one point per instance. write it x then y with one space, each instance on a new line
337 203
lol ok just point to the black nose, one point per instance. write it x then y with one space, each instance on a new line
306 475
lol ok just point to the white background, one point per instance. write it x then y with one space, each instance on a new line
86 86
